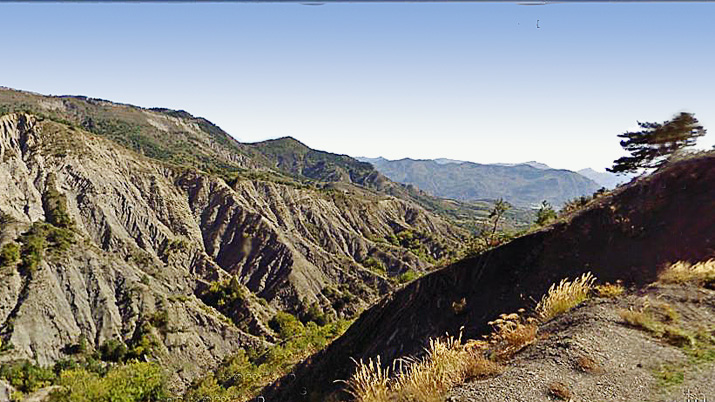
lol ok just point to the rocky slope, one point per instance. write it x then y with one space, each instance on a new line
179 138
524 185
118 245
593 354
627 236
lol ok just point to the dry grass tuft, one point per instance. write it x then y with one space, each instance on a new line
447 362
370 382
560 390
609 290
511 333
458 306
702 273
564 296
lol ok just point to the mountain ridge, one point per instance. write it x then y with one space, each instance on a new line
162 207
524 185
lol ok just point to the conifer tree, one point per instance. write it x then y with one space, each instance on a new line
656 142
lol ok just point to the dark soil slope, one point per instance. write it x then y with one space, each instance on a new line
659 219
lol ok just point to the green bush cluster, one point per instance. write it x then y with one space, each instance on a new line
225 292
244 374
286 325
407 276
545 215
113 350
419 244
136 381
27 377
55 205
374 265
579 203
40 237
143 343
9 254
311 312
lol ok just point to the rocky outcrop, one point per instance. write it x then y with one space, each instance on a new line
148 237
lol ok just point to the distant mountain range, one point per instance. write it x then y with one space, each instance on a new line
605 179
444 161
522 184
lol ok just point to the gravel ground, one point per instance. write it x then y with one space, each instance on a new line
625 358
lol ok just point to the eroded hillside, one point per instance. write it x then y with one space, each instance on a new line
116 245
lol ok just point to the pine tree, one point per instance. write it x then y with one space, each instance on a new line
545 214
655 142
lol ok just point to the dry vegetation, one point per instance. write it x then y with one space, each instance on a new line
560 391
448 361
588 365
564 296
609 290
702 273
511 333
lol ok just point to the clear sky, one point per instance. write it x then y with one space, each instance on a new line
477 81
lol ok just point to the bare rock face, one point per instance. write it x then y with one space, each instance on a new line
145 238
6 391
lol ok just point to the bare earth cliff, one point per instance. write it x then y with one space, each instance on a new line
128 239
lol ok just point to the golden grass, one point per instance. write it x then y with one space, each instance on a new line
701 273
564 296
447 362
609 290
370 382
511 333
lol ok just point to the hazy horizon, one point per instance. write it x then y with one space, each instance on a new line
475 82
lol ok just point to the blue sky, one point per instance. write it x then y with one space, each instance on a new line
473 81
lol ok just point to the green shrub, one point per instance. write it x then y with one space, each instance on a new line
55 205
407 276
113 350
545 215
242 375
286 325
33 245
137 381
225 292
374 265
339 298
315 314
575 204
39 238
9 255
143 343
27 377
160 319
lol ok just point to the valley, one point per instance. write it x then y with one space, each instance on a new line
148 246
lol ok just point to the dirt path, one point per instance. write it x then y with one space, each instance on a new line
595 356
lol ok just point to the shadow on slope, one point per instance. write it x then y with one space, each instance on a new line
659 219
